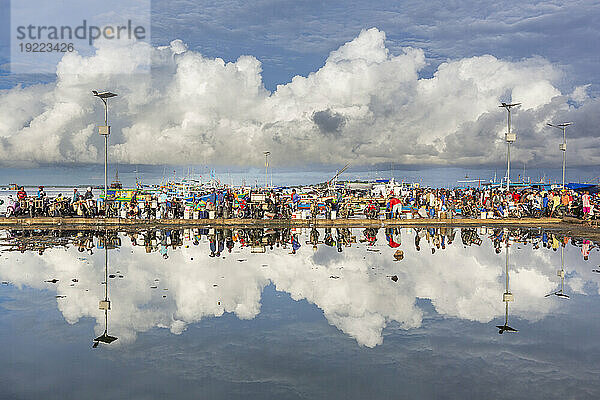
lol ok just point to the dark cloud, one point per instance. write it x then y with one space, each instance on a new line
329 122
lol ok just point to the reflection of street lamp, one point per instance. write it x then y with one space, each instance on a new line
105 131
510 138
563 146
506 297
561 273
105 304
267 168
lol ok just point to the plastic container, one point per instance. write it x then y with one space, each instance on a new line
333 214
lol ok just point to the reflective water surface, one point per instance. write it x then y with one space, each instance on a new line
305 313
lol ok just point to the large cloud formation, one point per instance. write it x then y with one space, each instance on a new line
364 105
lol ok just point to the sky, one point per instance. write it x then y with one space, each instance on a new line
319 84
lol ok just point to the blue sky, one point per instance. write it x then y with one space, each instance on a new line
295 37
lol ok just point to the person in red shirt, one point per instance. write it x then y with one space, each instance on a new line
21 194
395 206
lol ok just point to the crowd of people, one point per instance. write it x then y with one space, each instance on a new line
410 203
494 203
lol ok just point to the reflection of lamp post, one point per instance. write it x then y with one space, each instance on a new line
563 147
105 304
105 131
506 297
267 168
510 138
561 273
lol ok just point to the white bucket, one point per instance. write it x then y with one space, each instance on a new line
123 213
333 214
186 213
409 215
304 214
158 214
196 214
211 214
490 214
483 215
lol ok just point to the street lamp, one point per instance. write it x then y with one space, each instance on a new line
105 131
510 138
267 168
563 146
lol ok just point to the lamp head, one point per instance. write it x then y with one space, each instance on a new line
103 95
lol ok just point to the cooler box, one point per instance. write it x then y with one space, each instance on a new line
257 197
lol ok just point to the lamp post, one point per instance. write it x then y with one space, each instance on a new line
510 138
563 146
267 168
105 131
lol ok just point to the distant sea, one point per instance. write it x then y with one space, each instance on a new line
93 175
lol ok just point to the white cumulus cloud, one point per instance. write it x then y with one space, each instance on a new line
364 105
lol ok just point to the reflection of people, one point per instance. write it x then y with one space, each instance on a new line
585 249
295 244
163 246
398 255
